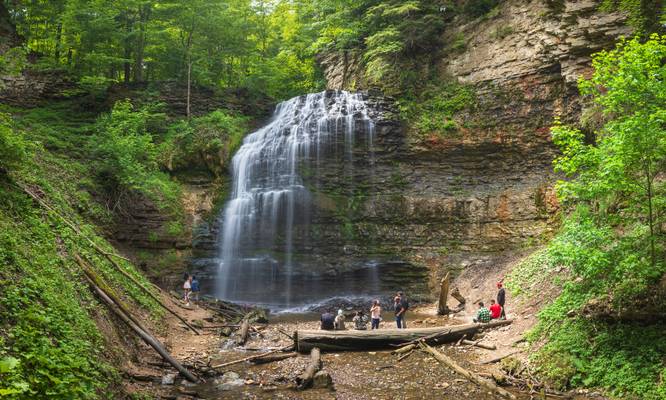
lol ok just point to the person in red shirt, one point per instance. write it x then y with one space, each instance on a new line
495 310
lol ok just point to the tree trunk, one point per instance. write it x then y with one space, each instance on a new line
243 332
352 340
305 380
455 293
127 66
58 43
442 308
189 84
144 15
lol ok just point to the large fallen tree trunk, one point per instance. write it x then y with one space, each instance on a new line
147 337
352 340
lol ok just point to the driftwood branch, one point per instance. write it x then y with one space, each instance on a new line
442 358
305 380
272 358
481 345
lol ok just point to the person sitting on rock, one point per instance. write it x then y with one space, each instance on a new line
327 321
495 310
340 321
482 315
360 321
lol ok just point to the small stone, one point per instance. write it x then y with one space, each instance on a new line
169 379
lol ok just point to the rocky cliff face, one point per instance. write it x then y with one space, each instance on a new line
483 195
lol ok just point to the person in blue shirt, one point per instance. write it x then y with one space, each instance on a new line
195 288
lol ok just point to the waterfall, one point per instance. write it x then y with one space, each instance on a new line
269 210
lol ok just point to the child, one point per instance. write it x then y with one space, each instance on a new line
187 288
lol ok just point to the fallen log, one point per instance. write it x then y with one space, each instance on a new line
442 358
442 308
272 358
353 340
148 338
404 349
500 358
481 345
226 364
305 380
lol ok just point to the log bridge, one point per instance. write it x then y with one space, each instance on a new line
357 340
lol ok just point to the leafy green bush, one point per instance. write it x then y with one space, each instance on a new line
13 147
209 140
611 241
128 156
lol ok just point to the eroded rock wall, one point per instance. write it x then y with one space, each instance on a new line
486 193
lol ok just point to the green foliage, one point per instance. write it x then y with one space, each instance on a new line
477 8
611 241
12 62
128 156
261 45
13 147
644 16
432 110
209 140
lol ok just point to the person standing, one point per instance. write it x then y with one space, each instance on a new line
195 288
405 307
187 289
399 311
375 314
501 297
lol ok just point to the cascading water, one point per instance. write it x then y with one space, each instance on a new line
269 211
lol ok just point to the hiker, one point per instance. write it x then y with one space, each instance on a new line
360 321
375 314
495 310
327 321
195 288
501 297
482 315
340 321
399 309
405 307
187 288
